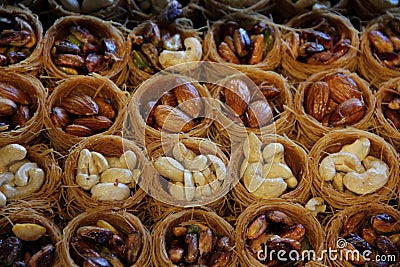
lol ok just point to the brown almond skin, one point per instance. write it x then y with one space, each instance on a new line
187 92
14 94
227 54
150 108
78 130
342 87
82 105
237 95
172 119
258 50
259 114
95 123
7 107
21 117
316 100
269 91
106 108
60 117
348 113
394 117
168 98
295 232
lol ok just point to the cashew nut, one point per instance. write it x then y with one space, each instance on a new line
292 182
36 179
218 166
169 168
15 166
6 178
276 170
194 52
316 205
199 163
341 161
271 188
243 167
274 152
9 154
128 160
213 182
100 162
177 190
373 162
3 199
92 167
206 190
21 176
252 148
112 175
87 181
337 182
198 194
180 152
364 183
135 175
360 148
110 191
252 178
113 162
83 161
189 185
199 178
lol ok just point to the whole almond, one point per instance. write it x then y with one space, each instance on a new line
188 98
7 107
394 117
78 130
149 108
80 104
168 98
342 87
237 95
316 100
60 117
95 123
348 113
106 108
14 94
172 119
259 114
21 117
269 91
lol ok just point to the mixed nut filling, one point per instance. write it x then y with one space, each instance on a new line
195 244
82 52
391 109
16 107
335 101
107 178
353 170
19 177
81 115
318 42
105 245
191 176
264 170
29 244
371 235
155 48
17 39
249 45
385 43
275 231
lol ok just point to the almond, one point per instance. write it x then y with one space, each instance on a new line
188 92
106 108
14 94
172 119
348 113
78 130
394 117
237 95
269 91
149 108
342 87
316 100
168 98
60 117
7 107
259 114
96 123
80 105
21 117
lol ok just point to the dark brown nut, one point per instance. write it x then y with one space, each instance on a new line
65 47
14 94
16 56
10 250
241 41
341 48
325 57
354 223
359 243
95 62
229 28
133 244
97 262
187 92
393 117
106 108
295 232
258 114
81 104
220 259
176 254
95 235
269 91
279 217
347 113
317 37
391 60
69 61
258 50
168 98
387 247
258 244
110 49
89 48
82 34
369 235
205 241
224 243
257 227
60 117
237 95
227 53
384 224
351 250
192 248
14 38
151 53
172 119
150 108
310 48
117 244
81 250
151 33
342 87
286 244
78 130
21 117
229 40
43 258
316 100
7 107
172 11
95 123
380 41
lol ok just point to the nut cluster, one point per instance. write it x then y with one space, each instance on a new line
274 231
245 46
108 178
336 101
380 234
85 6
195 243
177 110
17 39
253 112
81 115
28 245
352 170
154 49
104 245
16 107
191 176
82 52
392 110
385 42
19 177
264 170
323 44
